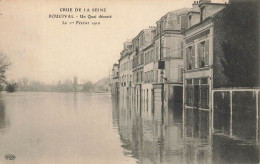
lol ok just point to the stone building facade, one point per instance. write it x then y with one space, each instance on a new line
199 50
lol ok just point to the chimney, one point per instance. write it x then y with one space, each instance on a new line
195 4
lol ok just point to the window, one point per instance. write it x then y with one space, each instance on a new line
190 18
203 54
190 58
135 62
153 56
204 93
189 82
135 77
142 78
197 93
196 82
204 81
142 58
189 92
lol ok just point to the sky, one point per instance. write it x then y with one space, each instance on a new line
43 49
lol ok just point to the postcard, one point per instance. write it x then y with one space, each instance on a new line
129 81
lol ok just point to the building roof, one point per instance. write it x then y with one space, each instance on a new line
198 24
178 11
209 18
144 30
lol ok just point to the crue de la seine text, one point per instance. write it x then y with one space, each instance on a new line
81 16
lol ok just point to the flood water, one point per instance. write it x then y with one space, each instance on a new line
97 128
59 128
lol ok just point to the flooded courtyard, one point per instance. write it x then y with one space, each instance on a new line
98 128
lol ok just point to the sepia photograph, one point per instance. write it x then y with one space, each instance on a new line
129 82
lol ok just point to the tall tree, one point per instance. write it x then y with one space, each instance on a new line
4 65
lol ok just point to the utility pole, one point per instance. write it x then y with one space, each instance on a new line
161 66
160 35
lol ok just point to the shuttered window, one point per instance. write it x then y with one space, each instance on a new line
203 54
192 57
189 58
207 52
200 55
142 58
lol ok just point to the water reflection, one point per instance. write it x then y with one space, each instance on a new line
68 127
3 119
171 134
50 128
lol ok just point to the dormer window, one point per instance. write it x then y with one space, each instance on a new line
190 17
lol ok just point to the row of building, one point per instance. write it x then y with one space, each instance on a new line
191 53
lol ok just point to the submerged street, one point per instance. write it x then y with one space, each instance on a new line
79 127
53 128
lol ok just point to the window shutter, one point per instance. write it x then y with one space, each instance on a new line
187 58
199 55
193 57
207 52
